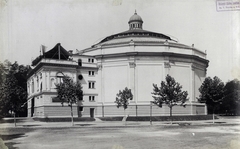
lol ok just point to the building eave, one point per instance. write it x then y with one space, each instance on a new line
40 65
163 54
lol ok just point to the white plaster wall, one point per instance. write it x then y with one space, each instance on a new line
163 49
182 75
115 78
199 78
150 48
180 50
86 79
116 50
146 75
93 52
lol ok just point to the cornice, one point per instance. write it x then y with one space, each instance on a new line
163 54
42 64
142 43
43 93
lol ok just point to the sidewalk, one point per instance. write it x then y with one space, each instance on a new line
29 123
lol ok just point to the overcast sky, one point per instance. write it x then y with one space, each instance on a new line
78 24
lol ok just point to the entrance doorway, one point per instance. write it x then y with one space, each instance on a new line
92 112
32 107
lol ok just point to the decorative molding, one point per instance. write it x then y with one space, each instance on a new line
132 64
99 66
131 43
197 66
167 65
166 55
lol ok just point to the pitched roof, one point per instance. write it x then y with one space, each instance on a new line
136 33
57 52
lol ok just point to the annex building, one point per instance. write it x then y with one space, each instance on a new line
135 58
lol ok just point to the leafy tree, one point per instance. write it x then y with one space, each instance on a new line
169 93
122 99
4 68
13 90
70 92
211 93
231 100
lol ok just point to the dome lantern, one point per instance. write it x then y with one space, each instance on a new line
135 22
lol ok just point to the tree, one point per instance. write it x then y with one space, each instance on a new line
70 92
231 100
4 68
211 93
169 93
13 90
122 99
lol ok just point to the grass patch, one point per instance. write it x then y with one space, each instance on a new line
10 120
111 118
174 118
30 125
83 124
66 119
217 122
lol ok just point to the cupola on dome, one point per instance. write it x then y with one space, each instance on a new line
135 17
135 22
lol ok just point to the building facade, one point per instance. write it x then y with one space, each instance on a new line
135 59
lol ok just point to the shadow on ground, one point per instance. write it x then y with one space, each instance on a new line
10 145
12 136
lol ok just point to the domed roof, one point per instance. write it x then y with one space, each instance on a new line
135 32
135 17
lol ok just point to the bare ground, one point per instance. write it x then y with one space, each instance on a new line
152 137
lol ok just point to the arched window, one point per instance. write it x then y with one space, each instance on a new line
37 84
60 77
32 86
28 88
52 83
41 87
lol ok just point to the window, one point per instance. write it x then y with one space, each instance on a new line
52 83
28 88
37 84
41 87
91 84
80 109
91 60
91 98
32 87
91 73
60 77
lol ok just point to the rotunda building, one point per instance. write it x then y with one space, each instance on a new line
137 59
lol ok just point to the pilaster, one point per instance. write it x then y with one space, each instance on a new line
132 66
44 81
100 83
167 67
